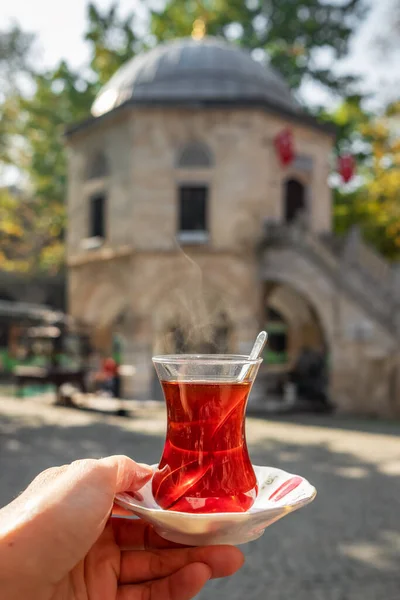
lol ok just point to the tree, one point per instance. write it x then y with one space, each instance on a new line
113 41
15 48
290 32
382 187
15 51
36 125
63 97
30 239
375 204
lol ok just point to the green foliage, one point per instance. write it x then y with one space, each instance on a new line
62 97
31 137
15 49
375 204
112 41
291 32
30 234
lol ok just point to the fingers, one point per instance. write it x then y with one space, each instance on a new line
67 508
118 511
182 585
119 473
129 475
133 534
140 566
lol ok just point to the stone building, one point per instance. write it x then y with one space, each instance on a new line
186 231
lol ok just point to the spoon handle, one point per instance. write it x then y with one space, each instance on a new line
258 345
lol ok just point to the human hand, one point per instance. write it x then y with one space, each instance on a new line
58 542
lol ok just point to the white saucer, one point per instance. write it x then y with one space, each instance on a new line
279 493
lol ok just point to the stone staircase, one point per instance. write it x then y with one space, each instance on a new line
354 268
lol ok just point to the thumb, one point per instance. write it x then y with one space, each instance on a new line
55 522
128 475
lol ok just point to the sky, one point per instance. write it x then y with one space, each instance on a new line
60 30
60 35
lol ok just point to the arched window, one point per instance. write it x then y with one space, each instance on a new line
195 155
98 167
294 198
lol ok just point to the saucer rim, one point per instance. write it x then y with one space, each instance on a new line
119 499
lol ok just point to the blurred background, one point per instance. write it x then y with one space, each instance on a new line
175 176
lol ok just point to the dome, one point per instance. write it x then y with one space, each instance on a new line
195 71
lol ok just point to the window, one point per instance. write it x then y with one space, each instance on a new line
195 155
97 167
295 202
193 213
97 216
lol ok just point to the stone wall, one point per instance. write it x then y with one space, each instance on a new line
140 282
364 355
157 291
246 183
115 143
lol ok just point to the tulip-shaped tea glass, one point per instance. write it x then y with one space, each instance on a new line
205 466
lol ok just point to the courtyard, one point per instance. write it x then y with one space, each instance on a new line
345 546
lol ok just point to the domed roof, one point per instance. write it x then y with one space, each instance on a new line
195 71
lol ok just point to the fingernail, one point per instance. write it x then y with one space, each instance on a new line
143 470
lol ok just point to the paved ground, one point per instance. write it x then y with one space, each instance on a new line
345 546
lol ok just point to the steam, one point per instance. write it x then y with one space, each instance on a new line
196 312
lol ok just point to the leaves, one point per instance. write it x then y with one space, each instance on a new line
112 39
31 137
15 58
375 204
24 233
289 31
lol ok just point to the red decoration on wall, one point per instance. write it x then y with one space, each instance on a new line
347 167
284 145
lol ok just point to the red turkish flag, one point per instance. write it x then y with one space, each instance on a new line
347 167
284 145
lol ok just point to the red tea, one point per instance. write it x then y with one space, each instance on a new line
205 466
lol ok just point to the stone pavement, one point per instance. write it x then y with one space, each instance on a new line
345 546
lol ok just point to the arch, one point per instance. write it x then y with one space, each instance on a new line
294 199
195 155
304 325
97 166
299 282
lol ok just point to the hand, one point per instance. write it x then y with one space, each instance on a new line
59 542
